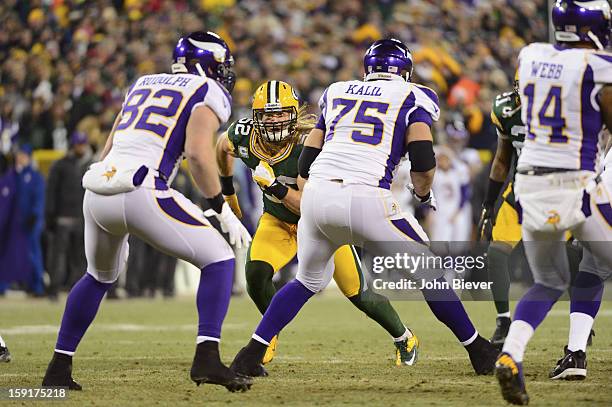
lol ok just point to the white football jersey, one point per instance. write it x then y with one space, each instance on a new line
365 128
154 118
559 90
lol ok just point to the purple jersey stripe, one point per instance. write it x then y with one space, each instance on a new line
430 94
175 145
606 212
174 210
607 58
590 123
586 204
420 115
404 226
398 142
320 123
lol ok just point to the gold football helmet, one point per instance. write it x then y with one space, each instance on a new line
275 112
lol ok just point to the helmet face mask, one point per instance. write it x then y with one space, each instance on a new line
276 125
205 54
582 22
275 113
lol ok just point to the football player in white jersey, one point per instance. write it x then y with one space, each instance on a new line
164 118
567 100
365 129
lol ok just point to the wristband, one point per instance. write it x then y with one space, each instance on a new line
278 190
227 185
216 202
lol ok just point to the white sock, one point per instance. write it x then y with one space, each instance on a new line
472 339
518 337
2 344
580 328
504 315
201 339
407 335
260 339
65 352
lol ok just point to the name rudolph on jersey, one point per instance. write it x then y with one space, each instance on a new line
546 70
180 81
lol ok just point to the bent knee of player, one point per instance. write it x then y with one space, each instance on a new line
312 283
555 281
212 251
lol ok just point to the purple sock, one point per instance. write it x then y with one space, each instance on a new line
535 304
449 310
213 297
81 308
586 294
285 305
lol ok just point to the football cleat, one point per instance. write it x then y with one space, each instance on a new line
208 368
248 361
271 351
482 355
5 355
511 380
407 351
59 373
571 367
501 331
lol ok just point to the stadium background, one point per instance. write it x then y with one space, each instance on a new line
66 65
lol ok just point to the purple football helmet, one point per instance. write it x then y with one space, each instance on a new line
205 54
387 57
582 21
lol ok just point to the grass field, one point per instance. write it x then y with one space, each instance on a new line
139 352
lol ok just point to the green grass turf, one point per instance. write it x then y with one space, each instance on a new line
139 352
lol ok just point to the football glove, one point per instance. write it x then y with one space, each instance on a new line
429 200
264 175
238 235
232 201
485 224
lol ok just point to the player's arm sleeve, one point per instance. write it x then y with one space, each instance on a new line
217 99
426 106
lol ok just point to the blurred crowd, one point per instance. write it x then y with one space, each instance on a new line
65 66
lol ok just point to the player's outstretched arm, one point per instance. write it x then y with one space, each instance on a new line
200 152
225 162
201 128
422 159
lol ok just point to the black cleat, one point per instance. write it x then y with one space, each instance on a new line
59 373
482 355
591 335
511 380
571 367
208 368
5 355
249 360
501 331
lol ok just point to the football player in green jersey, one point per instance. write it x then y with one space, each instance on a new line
500 223
270 144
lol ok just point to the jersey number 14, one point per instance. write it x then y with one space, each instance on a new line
554 120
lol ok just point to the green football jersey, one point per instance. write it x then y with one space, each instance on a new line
241 135
506 115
